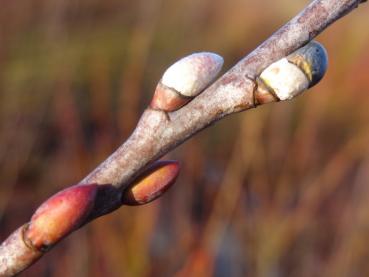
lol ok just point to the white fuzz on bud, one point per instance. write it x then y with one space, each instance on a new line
285 79
185 79
292 75
191 74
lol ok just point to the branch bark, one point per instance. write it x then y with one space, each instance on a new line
158 131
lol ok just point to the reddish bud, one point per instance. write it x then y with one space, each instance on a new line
152 183
60 215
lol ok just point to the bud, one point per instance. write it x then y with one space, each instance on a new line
152 183
185 79
290 76
60 215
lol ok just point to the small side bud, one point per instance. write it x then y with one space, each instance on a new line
152 183
190 75
290 76
60 215
185 79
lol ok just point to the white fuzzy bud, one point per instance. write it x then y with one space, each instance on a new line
191 74
286 79
290 76
185 79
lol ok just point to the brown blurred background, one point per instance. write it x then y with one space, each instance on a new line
281 190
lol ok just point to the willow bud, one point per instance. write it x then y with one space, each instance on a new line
185 79
152 183
290 76
60 215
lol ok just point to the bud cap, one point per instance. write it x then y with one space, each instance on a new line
312 59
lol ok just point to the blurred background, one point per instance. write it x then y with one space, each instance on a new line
281 190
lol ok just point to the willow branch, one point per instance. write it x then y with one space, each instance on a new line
158 132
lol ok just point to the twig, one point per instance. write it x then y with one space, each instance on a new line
159 131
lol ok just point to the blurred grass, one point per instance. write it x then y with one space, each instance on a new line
277 191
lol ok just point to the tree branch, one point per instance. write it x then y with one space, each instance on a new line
158 132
